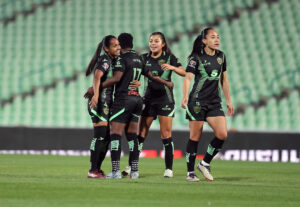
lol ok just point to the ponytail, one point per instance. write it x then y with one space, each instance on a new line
198 45
93 61
104 43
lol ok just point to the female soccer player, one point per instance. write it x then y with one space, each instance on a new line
102 66
158 98
127 106
208 65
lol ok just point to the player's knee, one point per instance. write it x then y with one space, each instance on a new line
115 129
166 134
222 135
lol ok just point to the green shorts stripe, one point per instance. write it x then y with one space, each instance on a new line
171 114
117 114
100 117
189 113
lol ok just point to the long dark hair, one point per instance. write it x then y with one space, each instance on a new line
104 43
166 47
198 43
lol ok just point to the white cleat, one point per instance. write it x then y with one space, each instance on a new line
168 173
192 177
205 170
114 175
134 175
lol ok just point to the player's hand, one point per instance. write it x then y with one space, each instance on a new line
135 84
170 84
94 102
230 109
89 93
167 66
184 102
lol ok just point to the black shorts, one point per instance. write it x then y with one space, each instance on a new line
127 110
100 113
152 110
199 112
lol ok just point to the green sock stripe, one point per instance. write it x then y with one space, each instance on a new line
117 114
114 145
190 115
172 147
187 157
210 149
96 114
92 147
131 145
141 146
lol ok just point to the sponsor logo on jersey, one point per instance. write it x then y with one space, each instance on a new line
220 61
118 64
205 63
136 60
105 66
148 64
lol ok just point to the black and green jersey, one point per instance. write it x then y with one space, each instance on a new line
131 64
105 64
158 92
207 70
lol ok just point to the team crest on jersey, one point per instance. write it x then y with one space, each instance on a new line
105 66
106 110
220 61
160 62
197 109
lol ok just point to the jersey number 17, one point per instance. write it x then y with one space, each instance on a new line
136 74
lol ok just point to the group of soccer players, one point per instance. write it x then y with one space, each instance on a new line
115 104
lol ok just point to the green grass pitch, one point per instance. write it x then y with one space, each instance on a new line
40 180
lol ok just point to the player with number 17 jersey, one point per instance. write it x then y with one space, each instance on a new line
127 105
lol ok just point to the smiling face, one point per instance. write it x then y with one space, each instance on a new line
212 40
156 44
114 48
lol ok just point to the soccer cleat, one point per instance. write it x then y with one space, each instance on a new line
168 173
205 170
192 177
95 174
101 172
114 175
134 175
127 171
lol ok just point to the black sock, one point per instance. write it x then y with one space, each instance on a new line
141 143
104 149
191 153
212 149
169 150
96 145
115 150
133 151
